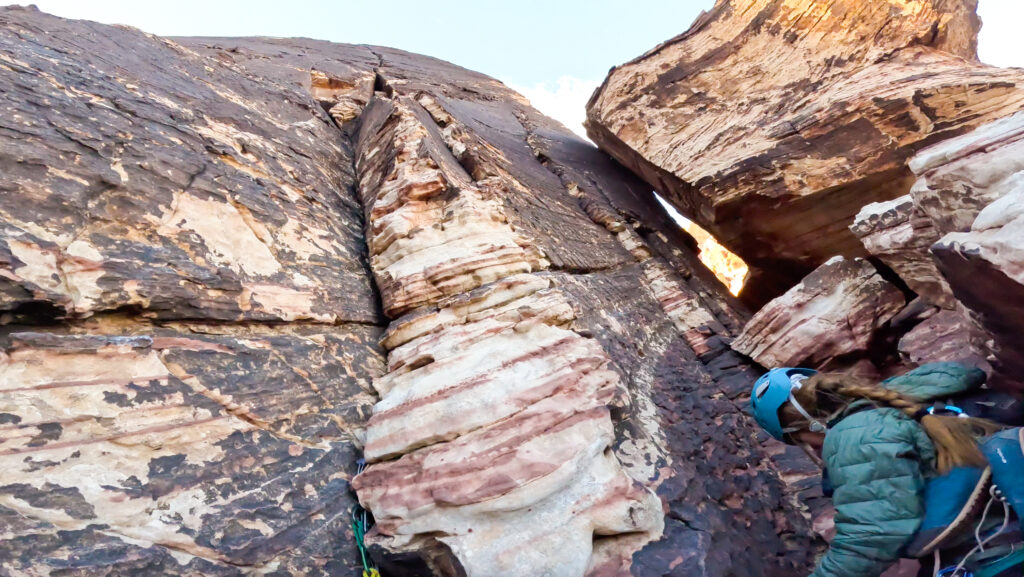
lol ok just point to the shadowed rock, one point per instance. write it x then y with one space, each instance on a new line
982 263
771 123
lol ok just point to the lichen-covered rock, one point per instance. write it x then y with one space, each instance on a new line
772 123
197 269
831 315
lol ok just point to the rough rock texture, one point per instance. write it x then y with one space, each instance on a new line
493 432
827 318
984 263
143 183
945 336
960 177
772 122
900 236
228 266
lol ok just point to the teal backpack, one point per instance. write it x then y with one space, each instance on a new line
960 500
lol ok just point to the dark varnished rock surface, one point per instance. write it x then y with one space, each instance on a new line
192 321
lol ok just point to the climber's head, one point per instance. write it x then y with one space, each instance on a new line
774 401
795 405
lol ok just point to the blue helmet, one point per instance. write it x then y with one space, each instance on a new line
770 393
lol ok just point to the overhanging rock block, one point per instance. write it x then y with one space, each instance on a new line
772 123
832 314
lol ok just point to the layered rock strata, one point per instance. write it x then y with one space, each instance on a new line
945 336
900 233
900 236
960 177
635 288
831 315
772 123
979 178
493 439
198 238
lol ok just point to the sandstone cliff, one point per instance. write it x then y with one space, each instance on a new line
230 267
771 123
861 160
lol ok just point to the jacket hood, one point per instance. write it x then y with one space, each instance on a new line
936 380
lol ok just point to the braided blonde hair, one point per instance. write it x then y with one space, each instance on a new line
826 394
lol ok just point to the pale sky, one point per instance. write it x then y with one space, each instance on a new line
555 52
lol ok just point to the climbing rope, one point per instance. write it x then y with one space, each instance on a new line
992 567
360 524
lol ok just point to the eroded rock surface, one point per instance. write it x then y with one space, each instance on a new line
157 185
182 451
229 266
772 123
144 183
960 177
900 235
945 336
494 436
830 316
983 264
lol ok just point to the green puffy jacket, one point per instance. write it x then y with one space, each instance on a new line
878 462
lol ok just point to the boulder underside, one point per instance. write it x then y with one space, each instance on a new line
771 123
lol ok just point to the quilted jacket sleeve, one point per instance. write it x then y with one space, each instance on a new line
875 459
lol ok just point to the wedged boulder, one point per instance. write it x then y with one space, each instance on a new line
900 235
772 123
825 321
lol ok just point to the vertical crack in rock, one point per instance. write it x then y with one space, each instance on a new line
539 387
433 232
493 432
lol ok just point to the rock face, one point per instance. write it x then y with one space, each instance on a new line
771 123
190 325
983 263
830 316
946 336
957 241
900 236
228 267
960 177
492 428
